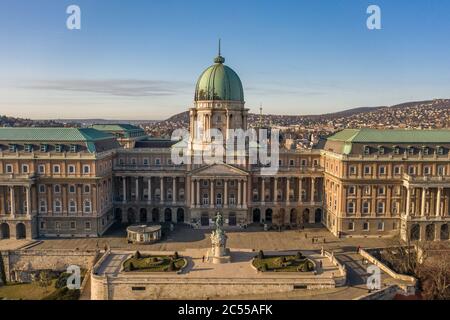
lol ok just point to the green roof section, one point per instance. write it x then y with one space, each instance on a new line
219 82
115 127
52 134
366 135
121 130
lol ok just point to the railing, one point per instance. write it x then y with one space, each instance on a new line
130 167
12 176
425 179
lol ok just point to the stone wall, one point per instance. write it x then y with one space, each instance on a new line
20 264
141 288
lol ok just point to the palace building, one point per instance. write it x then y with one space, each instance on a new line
67 182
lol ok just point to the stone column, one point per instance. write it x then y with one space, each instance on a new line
244 194
124 186
275 190
149 190
211 196
422 209
239 194
287 191
225 196
408 201
438 202
262 191
313 181
161 181
198 192
192 192
300 190
174 190
12 195
137 189
28 197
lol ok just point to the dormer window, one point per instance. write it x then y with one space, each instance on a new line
44 147
411 150
73 148
440 150
58 148
12 148
28 148
381 150
396 150
425 150
366 150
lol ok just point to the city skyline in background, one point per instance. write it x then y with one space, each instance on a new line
294 57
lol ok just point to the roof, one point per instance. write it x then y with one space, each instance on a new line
219 82
52 134
366 135
116 127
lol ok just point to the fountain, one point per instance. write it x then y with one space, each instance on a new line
219 253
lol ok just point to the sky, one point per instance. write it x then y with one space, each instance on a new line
140 59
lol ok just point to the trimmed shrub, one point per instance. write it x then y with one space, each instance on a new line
171 266
299 255
264 267
137 255
131 266
62 280
310 266
261 254
176 256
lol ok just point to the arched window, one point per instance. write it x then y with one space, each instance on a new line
205 199
57 206
87 206
255 194
169 194
72 206
219 199
181 194
158 194
232 199
42 206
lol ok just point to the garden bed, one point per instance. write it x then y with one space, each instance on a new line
154 263
283 263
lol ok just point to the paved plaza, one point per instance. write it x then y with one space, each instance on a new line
253 238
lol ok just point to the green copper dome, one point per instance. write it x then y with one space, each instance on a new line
219 82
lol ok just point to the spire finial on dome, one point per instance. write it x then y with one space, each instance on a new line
219 58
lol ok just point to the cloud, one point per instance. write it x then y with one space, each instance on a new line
282 91
113 87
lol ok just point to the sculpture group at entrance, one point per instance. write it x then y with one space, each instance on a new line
218 253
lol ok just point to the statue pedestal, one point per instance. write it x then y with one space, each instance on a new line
222 255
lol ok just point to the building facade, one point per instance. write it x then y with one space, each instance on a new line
362 183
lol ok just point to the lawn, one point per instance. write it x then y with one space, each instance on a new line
154 263
283 263
26 291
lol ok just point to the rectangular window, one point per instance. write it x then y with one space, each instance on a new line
427 170
73 148
367 170
158 161
382 170
146 162
58 148
352 170
42 188
24 168
44 148
86 169
365 226
365 207
397 170
351 226
87 226
28 148
56 169
73 225
351 207
71 169
380 226
41 168
12 148
9 168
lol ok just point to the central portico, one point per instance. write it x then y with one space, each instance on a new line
219 186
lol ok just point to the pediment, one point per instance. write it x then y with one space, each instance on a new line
222 170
